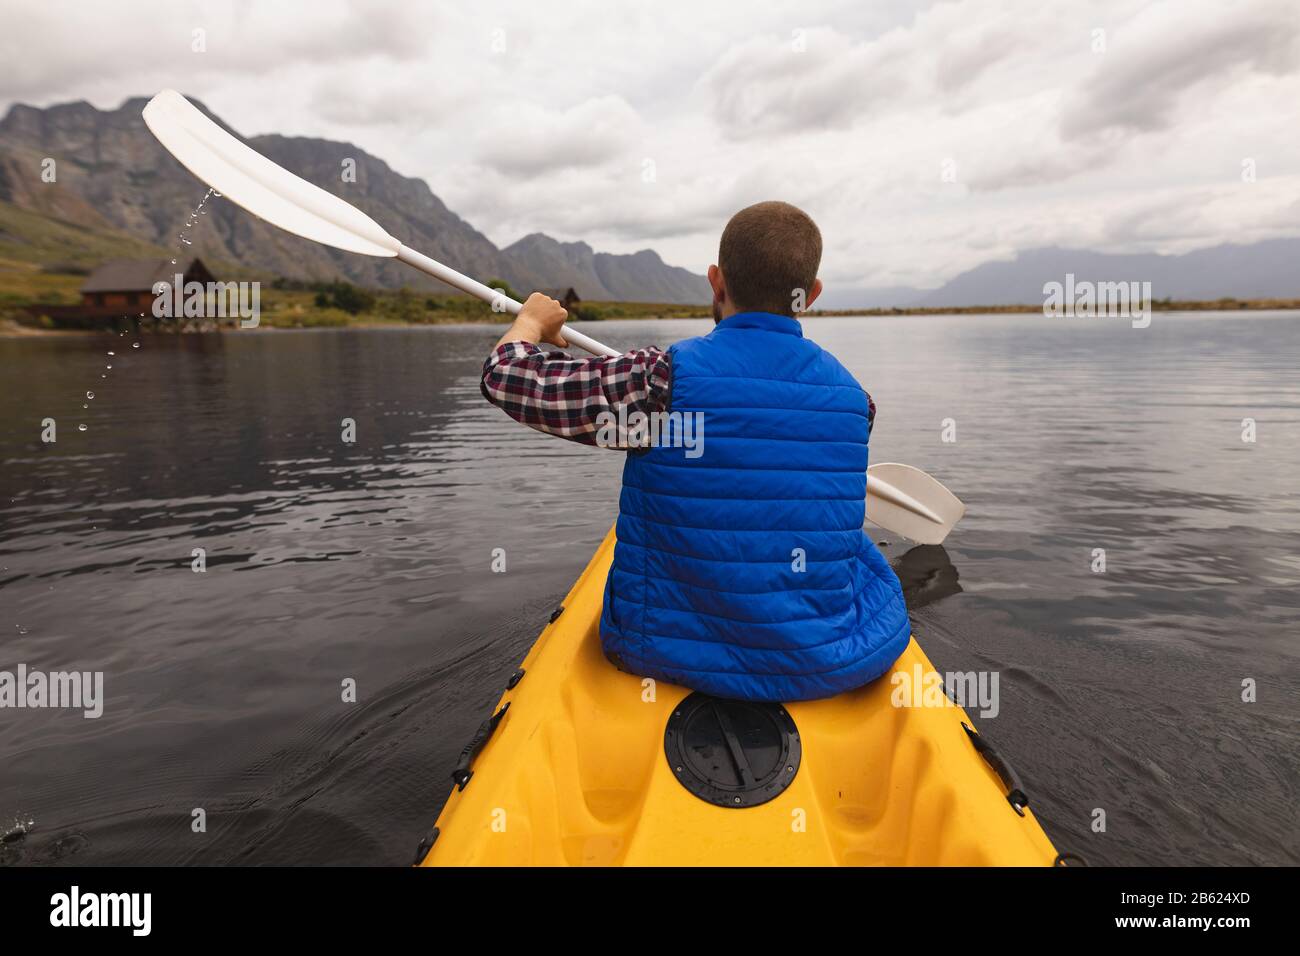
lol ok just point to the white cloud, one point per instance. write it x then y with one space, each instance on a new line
529 141
1166 56
767 86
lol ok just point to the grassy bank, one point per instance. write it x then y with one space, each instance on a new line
294 304
290 304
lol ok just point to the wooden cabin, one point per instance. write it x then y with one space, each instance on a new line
567 297
118 292
129 283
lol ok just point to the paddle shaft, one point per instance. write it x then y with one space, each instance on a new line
488 294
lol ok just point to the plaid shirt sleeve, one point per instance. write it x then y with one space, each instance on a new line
560 395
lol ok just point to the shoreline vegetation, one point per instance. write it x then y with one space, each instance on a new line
295 304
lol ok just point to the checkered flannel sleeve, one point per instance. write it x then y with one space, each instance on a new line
560 395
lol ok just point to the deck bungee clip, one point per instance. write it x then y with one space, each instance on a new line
461 774
1006 773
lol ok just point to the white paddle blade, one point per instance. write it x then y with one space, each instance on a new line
907 501
252 181
270 192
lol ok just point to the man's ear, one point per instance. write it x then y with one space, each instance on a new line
813 293
718 283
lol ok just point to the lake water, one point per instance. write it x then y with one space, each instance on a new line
1120 691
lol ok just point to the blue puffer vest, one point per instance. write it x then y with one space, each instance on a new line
744 572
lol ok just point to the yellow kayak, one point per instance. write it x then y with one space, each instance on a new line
584 765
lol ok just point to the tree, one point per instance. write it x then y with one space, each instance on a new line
504 287
345 296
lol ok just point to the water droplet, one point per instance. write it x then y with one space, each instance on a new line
119 333
173 262
90 394
135 345
108 366
81 428
84 405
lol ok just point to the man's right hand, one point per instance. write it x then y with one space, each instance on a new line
540 320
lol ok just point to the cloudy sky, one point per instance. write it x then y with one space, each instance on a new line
924 138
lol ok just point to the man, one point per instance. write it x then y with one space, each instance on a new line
743 571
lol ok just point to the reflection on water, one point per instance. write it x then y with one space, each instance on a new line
371 561
927 575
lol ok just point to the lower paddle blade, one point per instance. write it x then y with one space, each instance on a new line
907 501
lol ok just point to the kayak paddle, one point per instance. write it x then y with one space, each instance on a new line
907 501
270 192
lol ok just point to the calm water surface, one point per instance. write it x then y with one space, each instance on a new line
371 561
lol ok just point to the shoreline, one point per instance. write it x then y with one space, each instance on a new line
10 329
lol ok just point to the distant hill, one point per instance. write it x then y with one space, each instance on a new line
1261 270
642 276
114 178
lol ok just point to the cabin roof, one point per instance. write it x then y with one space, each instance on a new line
136 275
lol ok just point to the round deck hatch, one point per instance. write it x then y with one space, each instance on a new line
732 753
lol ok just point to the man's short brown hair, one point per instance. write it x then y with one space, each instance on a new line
768 252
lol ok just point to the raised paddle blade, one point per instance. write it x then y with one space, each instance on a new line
907 501
269 192
249 179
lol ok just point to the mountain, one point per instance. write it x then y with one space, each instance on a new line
113 176
599 275
867 297
1262 270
